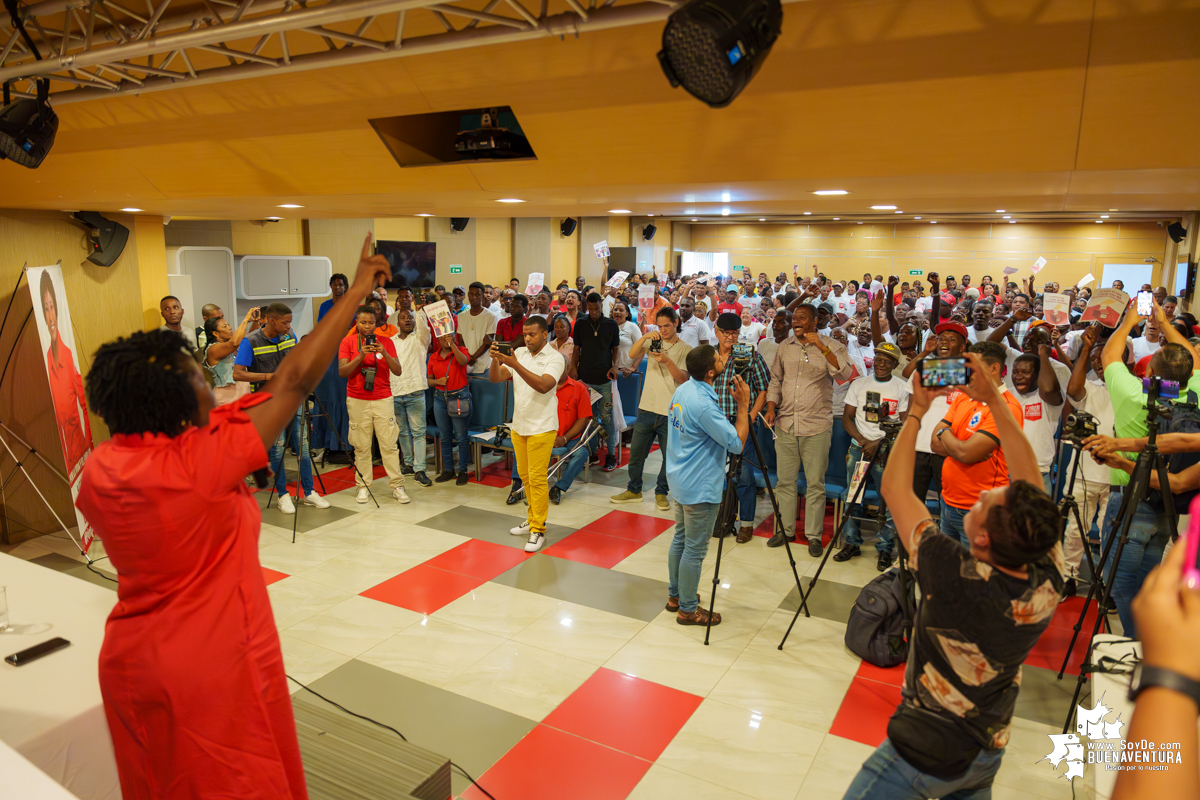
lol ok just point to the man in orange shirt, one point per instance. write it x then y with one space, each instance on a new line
968 438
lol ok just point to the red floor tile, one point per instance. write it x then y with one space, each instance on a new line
638 527
893 676
551 765
423 588
1052 646
588 547
1067 614
767 526
494 474
633 715
272 576
865 711
479 559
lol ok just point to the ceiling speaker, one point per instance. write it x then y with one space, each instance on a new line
459 224
107 238
568 226
1177 232
648 232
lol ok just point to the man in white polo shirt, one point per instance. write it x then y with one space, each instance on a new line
534 371
692 329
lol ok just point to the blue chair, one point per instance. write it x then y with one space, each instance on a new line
491 405
630 390
836 479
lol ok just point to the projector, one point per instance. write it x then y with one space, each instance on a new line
27 127
492 141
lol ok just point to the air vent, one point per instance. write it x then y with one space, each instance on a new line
454 137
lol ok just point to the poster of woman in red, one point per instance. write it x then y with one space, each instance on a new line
66 384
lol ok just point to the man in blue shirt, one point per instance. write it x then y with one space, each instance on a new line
698 438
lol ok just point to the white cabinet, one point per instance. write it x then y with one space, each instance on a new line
275 277
211 272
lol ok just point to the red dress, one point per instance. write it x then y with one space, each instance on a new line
191 672
66 389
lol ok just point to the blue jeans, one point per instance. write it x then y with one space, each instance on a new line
602 411
445 423
297 438
1148 535
747 490
951 523
693 529
852 532
568 473
885 775
410 417
649 426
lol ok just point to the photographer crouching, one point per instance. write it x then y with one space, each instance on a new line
984 605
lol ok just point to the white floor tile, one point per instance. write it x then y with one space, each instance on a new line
354 625
522 679
432 650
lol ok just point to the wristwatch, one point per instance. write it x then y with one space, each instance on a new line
939 433
1145 676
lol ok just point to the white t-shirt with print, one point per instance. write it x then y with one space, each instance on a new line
750 334
893 393
1039 421
472 329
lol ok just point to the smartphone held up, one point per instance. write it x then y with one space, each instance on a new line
1145 303
941 373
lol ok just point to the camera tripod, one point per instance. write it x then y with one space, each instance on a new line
1149 461
306 431
727 518
879 457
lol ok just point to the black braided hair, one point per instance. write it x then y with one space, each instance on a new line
142 384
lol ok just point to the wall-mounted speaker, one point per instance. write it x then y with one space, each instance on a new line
459 224
648 232
107 238
1177 232
568 226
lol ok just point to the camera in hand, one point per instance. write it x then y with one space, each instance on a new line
368 373
656 346
742 355
1078 426
504 348
874 409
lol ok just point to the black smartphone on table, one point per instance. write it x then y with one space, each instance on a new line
37 651
939 373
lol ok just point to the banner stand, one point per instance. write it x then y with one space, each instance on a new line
20 462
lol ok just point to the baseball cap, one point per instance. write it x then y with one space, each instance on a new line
826 306
729 321
889 349
460 290
953 327
949 298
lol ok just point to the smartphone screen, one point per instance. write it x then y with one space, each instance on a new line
1167 390
1145 303
937 373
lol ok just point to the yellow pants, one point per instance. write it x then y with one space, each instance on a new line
533 460
376 417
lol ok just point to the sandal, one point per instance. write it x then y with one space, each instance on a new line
698 617
673 602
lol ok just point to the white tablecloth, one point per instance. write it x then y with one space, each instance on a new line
23 781
50 709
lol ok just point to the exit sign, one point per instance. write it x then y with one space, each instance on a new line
455 269
914 272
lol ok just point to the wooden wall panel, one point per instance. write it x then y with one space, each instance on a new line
531 248
493 250
339 240
261 238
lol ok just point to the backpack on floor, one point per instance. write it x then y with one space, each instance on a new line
881 621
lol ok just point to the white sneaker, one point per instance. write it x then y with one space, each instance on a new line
285 504
363 495
520 530
400 495
535 542
315 500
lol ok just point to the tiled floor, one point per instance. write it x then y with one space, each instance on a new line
560 674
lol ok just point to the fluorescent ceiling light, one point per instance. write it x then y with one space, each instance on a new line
1112 209
724 212
933 222
829 192
693 219
424 215
762 219
509 200
275 218
1008 216
860 223
724 197
807 213
899 212
1099 222
617 210
882 208
289 205
1012 222
649 215
999 210
1104 216
835 219
131 210
916 217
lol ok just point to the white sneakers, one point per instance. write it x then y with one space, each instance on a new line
400 495
363 494
315 500
520 530
536 540
285 504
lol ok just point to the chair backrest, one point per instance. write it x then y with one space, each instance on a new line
767 443
630 389
487 402
839 446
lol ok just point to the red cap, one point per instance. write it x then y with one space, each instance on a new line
953 327
948 298
1139 369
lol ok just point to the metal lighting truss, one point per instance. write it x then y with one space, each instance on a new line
101 48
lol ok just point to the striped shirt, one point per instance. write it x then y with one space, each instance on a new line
802 385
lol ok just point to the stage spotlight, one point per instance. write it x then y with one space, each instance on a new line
27 127
712 48
1177 232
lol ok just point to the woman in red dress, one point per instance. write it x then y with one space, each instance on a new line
66 384
191 671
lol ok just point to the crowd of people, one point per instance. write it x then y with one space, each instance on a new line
967 487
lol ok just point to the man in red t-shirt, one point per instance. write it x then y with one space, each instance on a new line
574 411
967 436
511 329
368 360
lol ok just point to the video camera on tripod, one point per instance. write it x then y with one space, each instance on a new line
1078 426
742 355
879 412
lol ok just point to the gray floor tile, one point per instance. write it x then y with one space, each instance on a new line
70 566
472 734
490 527
594 587
306 519
1043 697
829 599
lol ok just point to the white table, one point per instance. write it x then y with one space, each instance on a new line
24 781
50 709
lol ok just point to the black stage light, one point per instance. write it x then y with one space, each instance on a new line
1177 232
27 127
107 238
648 232
712 48
459 224
568 226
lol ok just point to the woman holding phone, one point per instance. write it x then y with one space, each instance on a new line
447 372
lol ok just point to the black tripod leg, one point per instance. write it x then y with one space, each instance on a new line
346 448
778 526
725 516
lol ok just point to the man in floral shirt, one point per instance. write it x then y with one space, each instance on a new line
983 606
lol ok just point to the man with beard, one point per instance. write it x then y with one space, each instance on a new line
781 329
692 329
